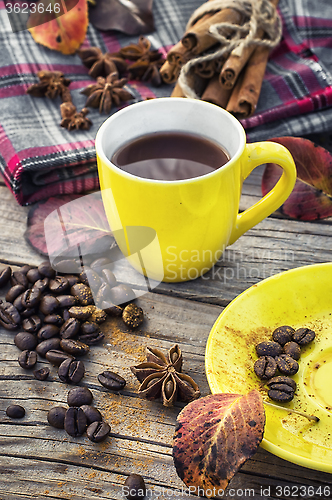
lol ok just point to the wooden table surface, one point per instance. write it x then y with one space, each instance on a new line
40 462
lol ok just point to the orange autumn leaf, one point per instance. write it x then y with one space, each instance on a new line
57 29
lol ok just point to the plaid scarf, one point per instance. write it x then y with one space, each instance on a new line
39 159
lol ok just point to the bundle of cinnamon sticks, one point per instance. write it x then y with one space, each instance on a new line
226 69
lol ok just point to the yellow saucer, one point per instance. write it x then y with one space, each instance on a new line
300 298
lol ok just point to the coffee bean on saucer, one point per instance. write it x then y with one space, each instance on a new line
32 324
25 341
281 389
54 319
15 411
283 334
56 417
81 312
56 357
34 275
70 328
5 275
98 431
92 414
47 345
75 421
286 364
48 304
83 294
136 487
292 349
47 332
132 316
122 294
46 269
74 347
27 359
71 371
268 348
18 278
58 284
303 336
41 374
14 292
9 316
265 367
111 380
78 396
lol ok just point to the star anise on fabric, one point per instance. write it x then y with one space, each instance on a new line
72 119
162 376
106 92
135 51
102 64
51 84
146 70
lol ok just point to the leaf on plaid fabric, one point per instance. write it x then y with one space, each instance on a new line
214 436
63 32
72 220
132 17
311 198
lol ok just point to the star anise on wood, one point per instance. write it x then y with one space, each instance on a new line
161 376
73 120
102 64
146 70
106 92
51 84
135 51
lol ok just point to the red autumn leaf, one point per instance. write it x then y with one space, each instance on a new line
215 435
72 220
133 17
58 31
311 198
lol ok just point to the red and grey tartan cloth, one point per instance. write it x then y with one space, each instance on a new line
39 159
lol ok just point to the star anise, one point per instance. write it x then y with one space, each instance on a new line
106 92
135 51
73 120
102 64
51 84
146 70
161 376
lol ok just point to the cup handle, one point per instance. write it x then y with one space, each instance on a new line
256 154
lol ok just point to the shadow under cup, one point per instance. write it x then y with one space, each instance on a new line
171 230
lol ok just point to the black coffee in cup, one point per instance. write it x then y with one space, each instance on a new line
170 156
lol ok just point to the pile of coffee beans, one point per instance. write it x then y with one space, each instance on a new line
281 354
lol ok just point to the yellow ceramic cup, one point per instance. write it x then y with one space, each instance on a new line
193 220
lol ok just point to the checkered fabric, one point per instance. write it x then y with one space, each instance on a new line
39 159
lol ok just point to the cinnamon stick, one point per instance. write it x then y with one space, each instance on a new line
189 39
169 72
215 93
177 91
206 69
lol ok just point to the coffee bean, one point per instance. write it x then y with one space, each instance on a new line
121 294
18 278
81 312
83 294
70 328
47 332
56 357
98 316
34 275
265 367
98 431
47 345
14 292
109 277
103 294
91 338
46 269
292 349
41 374
18 303
79 396
66 300
9 316
287 365
25 341
32 324
268 349
92 414
27 359
48 304
111 308
135 486
281 389
303 336
67 266
59 284
101 263
283 334
111 380
5 275
27 313
72 280
15 411
56 417
75 421
41 284
71 371
65 314
89 327
132 316
25 269
74 347
90 278
31 297
54 319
